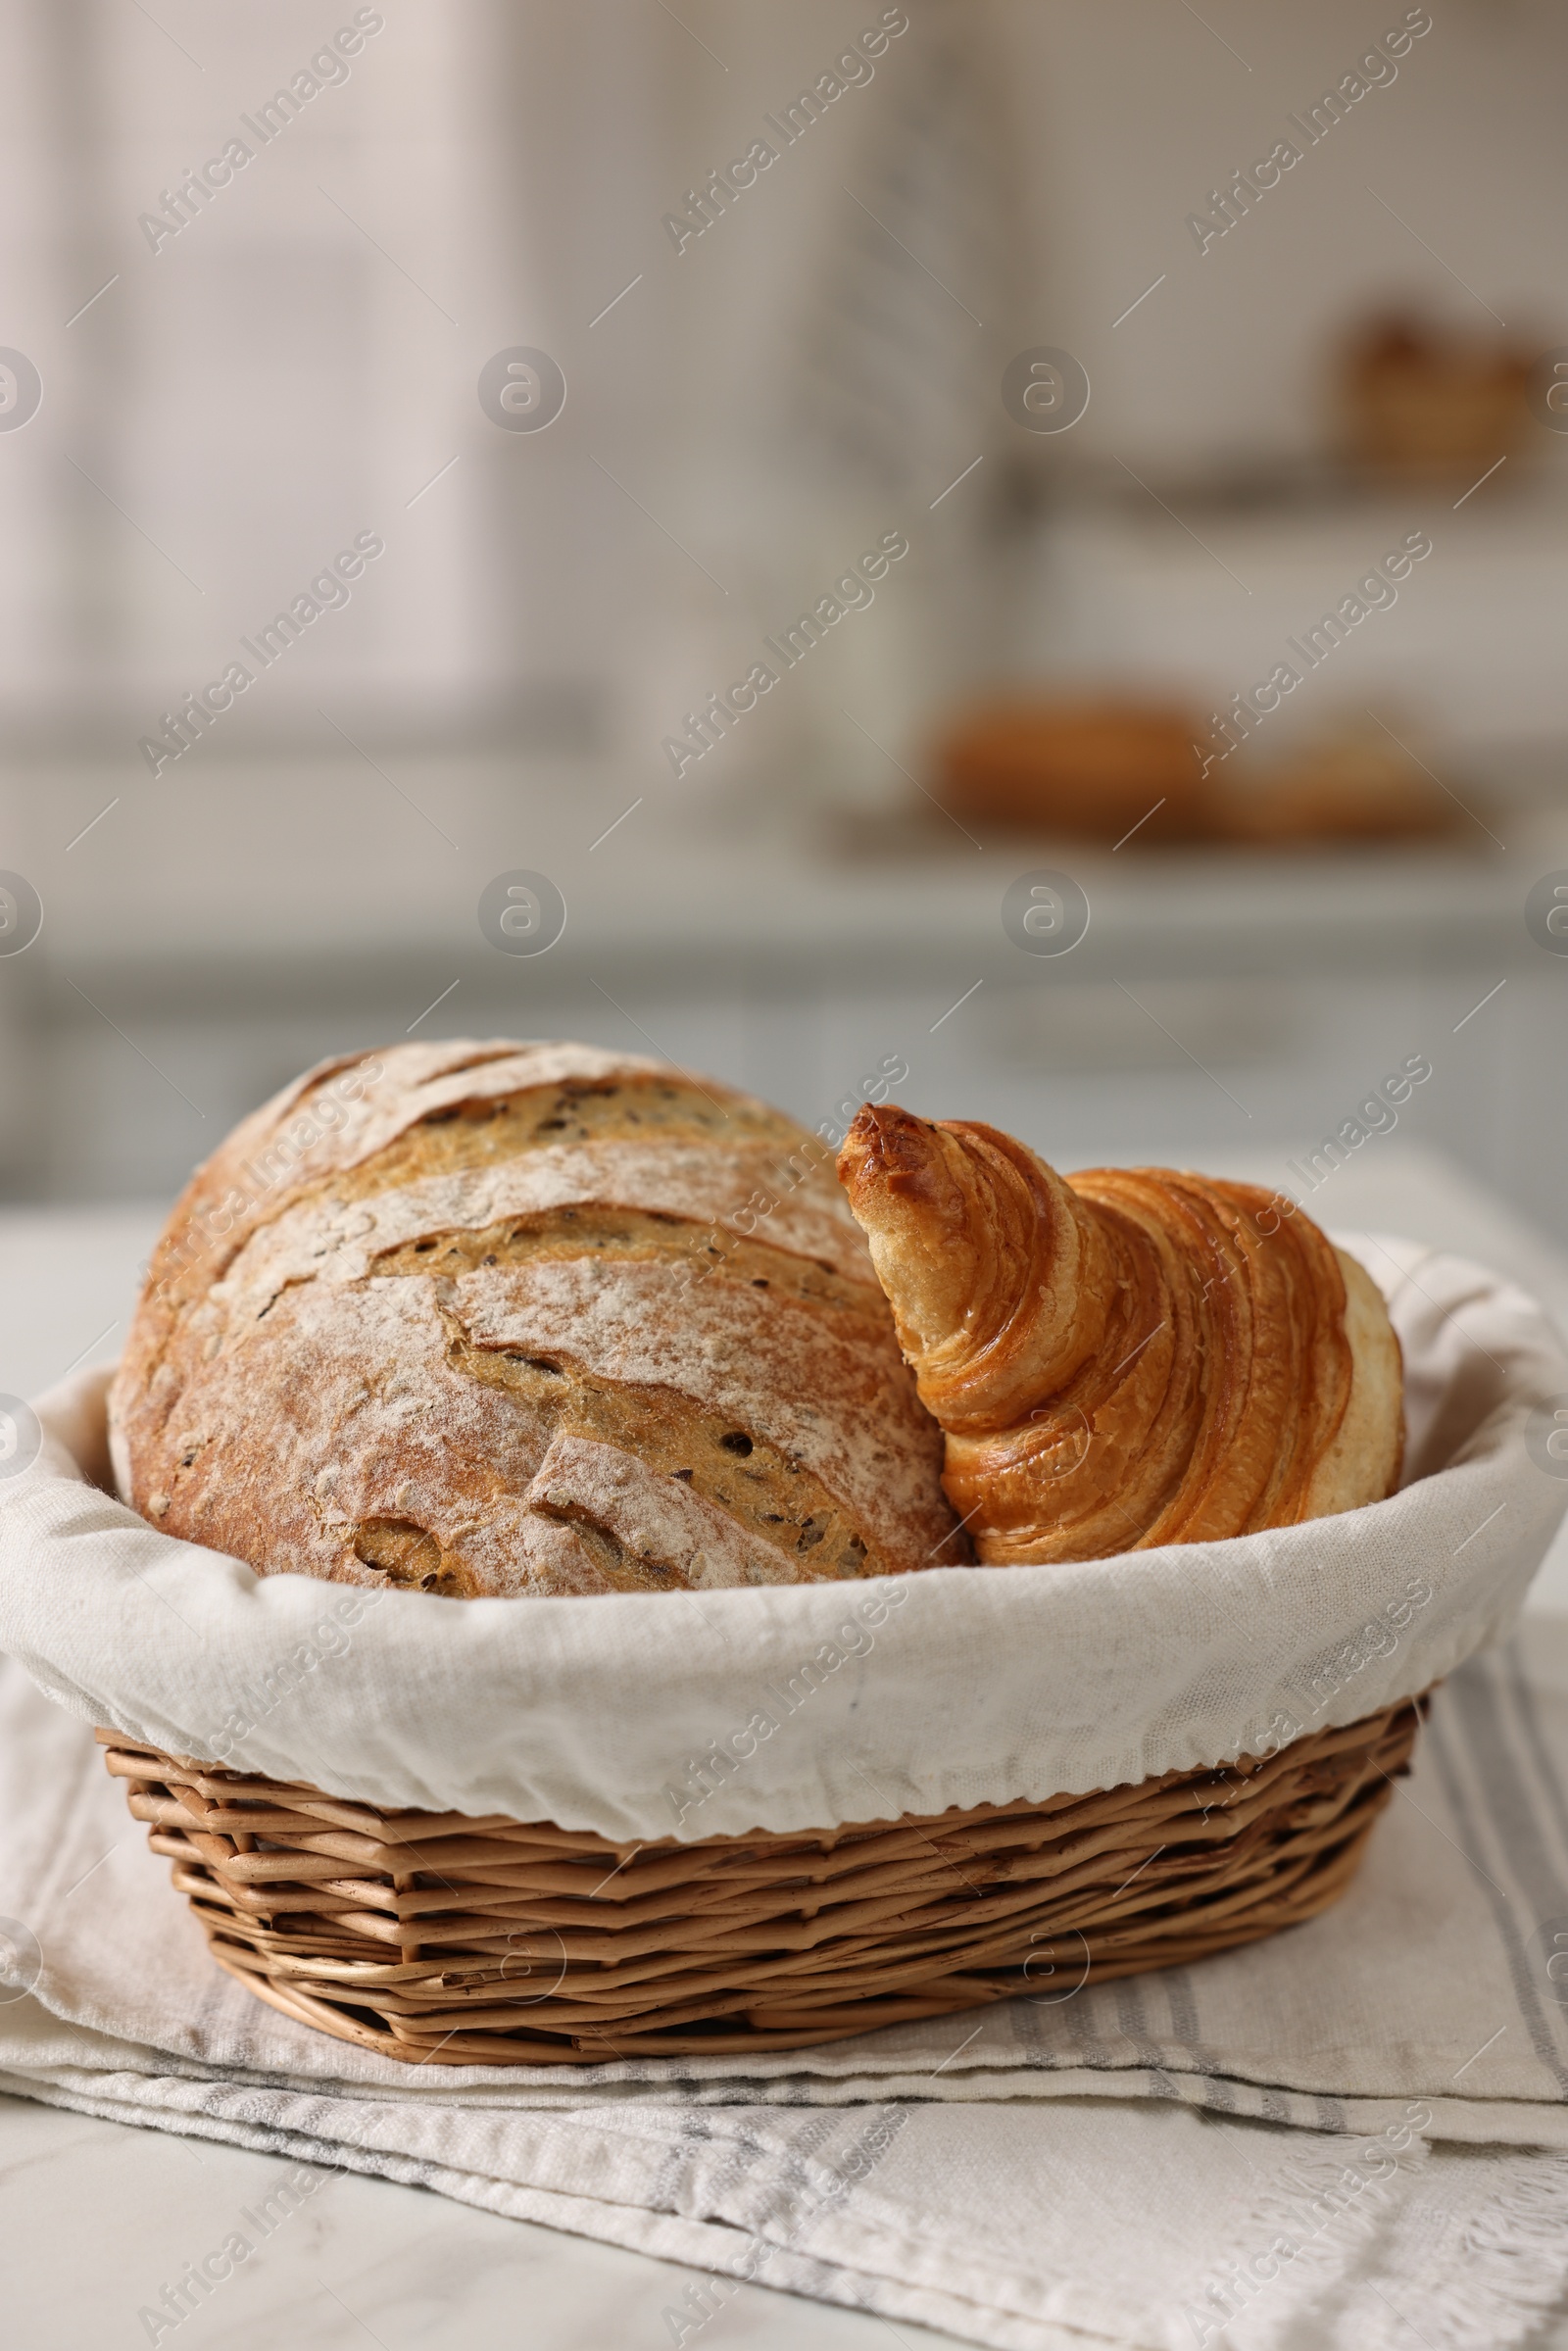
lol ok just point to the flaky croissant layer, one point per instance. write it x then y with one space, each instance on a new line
1128 1358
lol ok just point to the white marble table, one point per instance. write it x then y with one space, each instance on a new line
95 2217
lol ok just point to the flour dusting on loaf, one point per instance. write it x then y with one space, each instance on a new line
498 1318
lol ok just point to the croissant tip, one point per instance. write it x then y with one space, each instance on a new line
886 1146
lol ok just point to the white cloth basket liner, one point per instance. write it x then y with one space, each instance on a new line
700 1714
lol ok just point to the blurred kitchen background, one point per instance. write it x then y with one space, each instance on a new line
1295 368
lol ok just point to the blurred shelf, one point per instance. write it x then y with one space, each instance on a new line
1203 596
264 879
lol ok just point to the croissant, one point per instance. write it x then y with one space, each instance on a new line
1130 1358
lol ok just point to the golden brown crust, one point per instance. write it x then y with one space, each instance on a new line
494 1319
1130 1358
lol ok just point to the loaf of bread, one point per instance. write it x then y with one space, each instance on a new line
1084 765
498 1319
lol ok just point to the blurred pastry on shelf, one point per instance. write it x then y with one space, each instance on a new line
1355 782
1091 766
1100 770
1418 402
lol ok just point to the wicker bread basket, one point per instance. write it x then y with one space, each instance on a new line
505 1322
439 1939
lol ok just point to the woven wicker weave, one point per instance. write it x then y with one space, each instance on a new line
439 1939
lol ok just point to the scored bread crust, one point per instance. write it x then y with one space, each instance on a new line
498 1318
